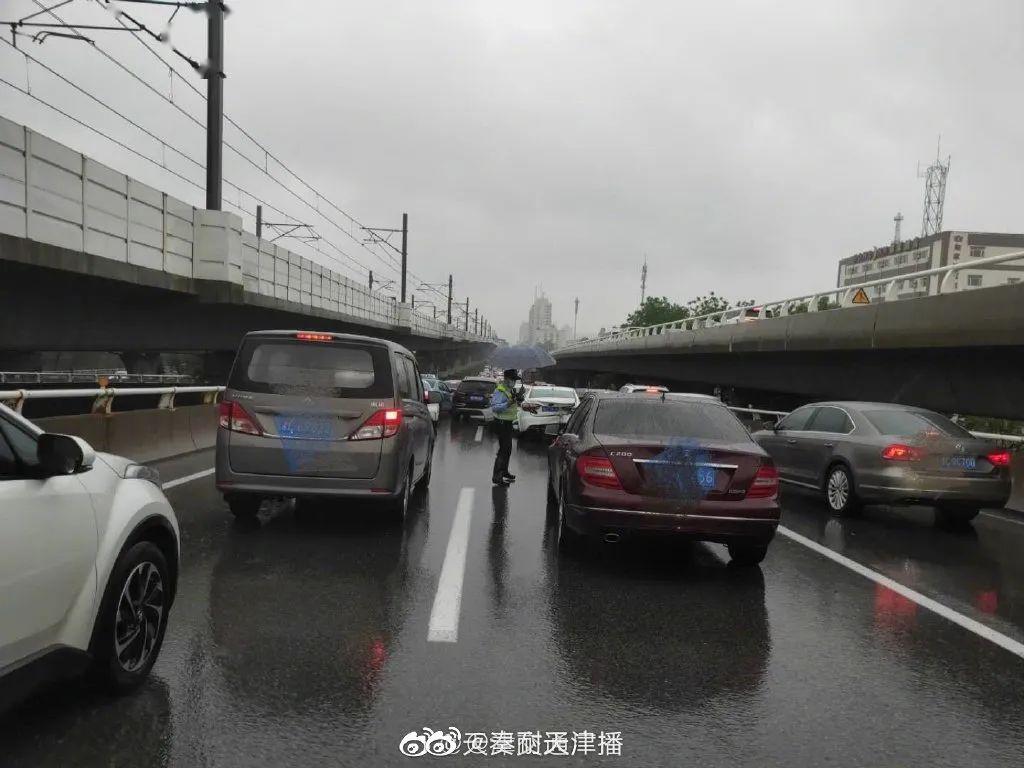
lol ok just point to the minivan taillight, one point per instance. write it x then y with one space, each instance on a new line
235 418
766 483
597 470
383 423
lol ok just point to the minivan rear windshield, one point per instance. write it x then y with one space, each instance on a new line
908 423
477 387
283 366
656 418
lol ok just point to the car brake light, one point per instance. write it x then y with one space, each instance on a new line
597 470
314 336
999 458
652 391
383 423
233 417
766 483
900 452
530 407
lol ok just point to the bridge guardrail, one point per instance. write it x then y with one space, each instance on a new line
103 397
1017 439
807 302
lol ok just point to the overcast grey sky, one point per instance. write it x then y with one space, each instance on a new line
743 146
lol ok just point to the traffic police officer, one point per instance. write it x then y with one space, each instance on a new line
504 404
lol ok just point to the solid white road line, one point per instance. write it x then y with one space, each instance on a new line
479 434
1004 518
444 617
187 479
967 623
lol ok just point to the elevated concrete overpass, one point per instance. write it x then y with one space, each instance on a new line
92 260
955 352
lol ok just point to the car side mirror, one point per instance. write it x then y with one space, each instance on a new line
63 455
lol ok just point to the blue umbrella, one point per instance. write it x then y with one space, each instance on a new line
522 357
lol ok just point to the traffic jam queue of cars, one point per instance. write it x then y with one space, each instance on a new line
90 542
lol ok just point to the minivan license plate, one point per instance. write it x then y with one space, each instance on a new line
959 462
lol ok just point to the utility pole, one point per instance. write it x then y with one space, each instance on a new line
413 301
575 317
214 104
259 221
405 238
467 314
371 281
449 299
476 321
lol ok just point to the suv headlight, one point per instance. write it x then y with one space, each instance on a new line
142 472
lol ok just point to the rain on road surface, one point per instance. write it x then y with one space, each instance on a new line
304 641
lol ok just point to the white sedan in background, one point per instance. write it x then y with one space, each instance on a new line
545 408
88 562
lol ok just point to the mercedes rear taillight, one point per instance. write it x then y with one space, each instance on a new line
383 423
597 470
233 417
765 484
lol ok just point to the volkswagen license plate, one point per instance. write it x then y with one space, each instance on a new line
959 462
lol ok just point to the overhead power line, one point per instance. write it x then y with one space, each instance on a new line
119 15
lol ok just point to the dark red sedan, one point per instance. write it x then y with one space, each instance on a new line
665 464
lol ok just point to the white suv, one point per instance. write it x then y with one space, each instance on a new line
88 561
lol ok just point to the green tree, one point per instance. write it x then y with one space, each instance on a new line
656 310
704 305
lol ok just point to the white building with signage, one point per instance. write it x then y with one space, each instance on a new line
930 252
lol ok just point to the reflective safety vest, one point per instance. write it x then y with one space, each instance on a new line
510 413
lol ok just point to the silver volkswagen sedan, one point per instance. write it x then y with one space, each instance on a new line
858 453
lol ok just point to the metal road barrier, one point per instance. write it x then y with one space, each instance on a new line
103 397
1018 439
843 298
92 376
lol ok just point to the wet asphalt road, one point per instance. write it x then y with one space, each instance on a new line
303 642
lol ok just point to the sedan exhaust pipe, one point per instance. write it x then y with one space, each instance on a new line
611 538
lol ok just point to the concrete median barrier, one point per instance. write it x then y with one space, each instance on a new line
203 426
145 435
1016 502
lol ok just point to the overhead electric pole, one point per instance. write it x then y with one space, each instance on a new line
449 299
405 238
214 104
467 314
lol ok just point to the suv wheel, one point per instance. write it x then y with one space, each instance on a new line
400 506
244 507
132 619
746 554
424 482
955 517
839 493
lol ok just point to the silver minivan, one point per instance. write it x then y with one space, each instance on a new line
316 415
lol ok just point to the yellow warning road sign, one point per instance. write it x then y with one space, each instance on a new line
860 297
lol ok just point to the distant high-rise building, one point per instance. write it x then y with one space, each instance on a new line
539 329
